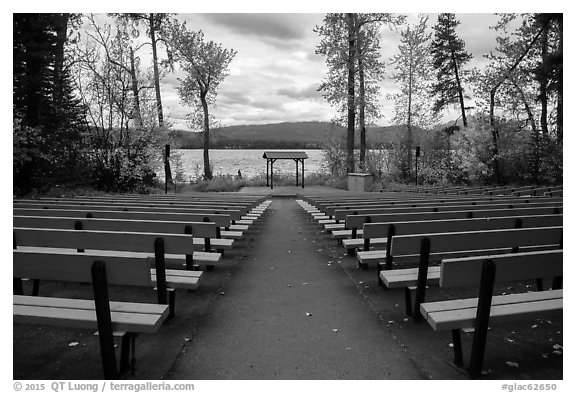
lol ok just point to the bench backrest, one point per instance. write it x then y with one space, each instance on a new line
235 214
221 220
71 266
331 209
136 203
342 214
358 221
380 230
102 240
460 272
442 243
199 229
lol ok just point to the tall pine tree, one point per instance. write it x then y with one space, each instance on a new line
449 57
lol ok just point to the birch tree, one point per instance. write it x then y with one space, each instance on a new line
350 43
206 66
413 66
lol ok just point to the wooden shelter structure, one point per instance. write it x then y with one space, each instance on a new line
272 156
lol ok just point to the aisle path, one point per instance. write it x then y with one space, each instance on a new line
288 312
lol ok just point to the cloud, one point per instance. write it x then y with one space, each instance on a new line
310 92
281 30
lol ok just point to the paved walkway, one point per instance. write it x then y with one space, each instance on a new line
288 312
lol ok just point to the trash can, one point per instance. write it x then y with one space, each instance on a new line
360 181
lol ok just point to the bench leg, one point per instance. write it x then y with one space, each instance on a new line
378 270
351 252
17 286
422 277
35 287
189 262
539 284
408 301
557 283
172 303
457 343
128 353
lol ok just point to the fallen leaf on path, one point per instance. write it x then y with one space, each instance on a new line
512 364
335 330
557 346
73 344
559 353
308 314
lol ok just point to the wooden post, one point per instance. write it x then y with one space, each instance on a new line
422 277
302 173
297 173
487 278
272 174
104 320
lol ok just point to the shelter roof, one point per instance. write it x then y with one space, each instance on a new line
285 155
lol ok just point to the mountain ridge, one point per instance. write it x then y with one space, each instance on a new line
310 134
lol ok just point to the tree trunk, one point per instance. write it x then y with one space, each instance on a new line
156 71
560 104
544 81
207 170
460 93
409 122
61 37
350 18
135 92
494 135
362 102
492 104
535 159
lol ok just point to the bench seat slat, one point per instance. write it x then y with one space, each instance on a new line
131 317
188 279
374 242
178 259
122 241
461 313
400 278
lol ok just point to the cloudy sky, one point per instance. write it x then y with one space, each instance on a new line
276 73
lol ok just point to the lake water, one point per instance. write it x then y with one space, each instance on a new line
249 161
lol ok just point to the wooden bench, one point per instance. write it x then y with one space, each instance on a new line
241 213
221 220
160 248
202 230
381 232
435 202
235 214
126 319
478 313
423 249
341 215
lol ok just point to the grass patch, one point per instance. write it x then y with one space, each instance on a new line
229 183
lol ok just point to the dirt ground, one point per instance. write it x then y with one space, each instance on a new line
287 303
